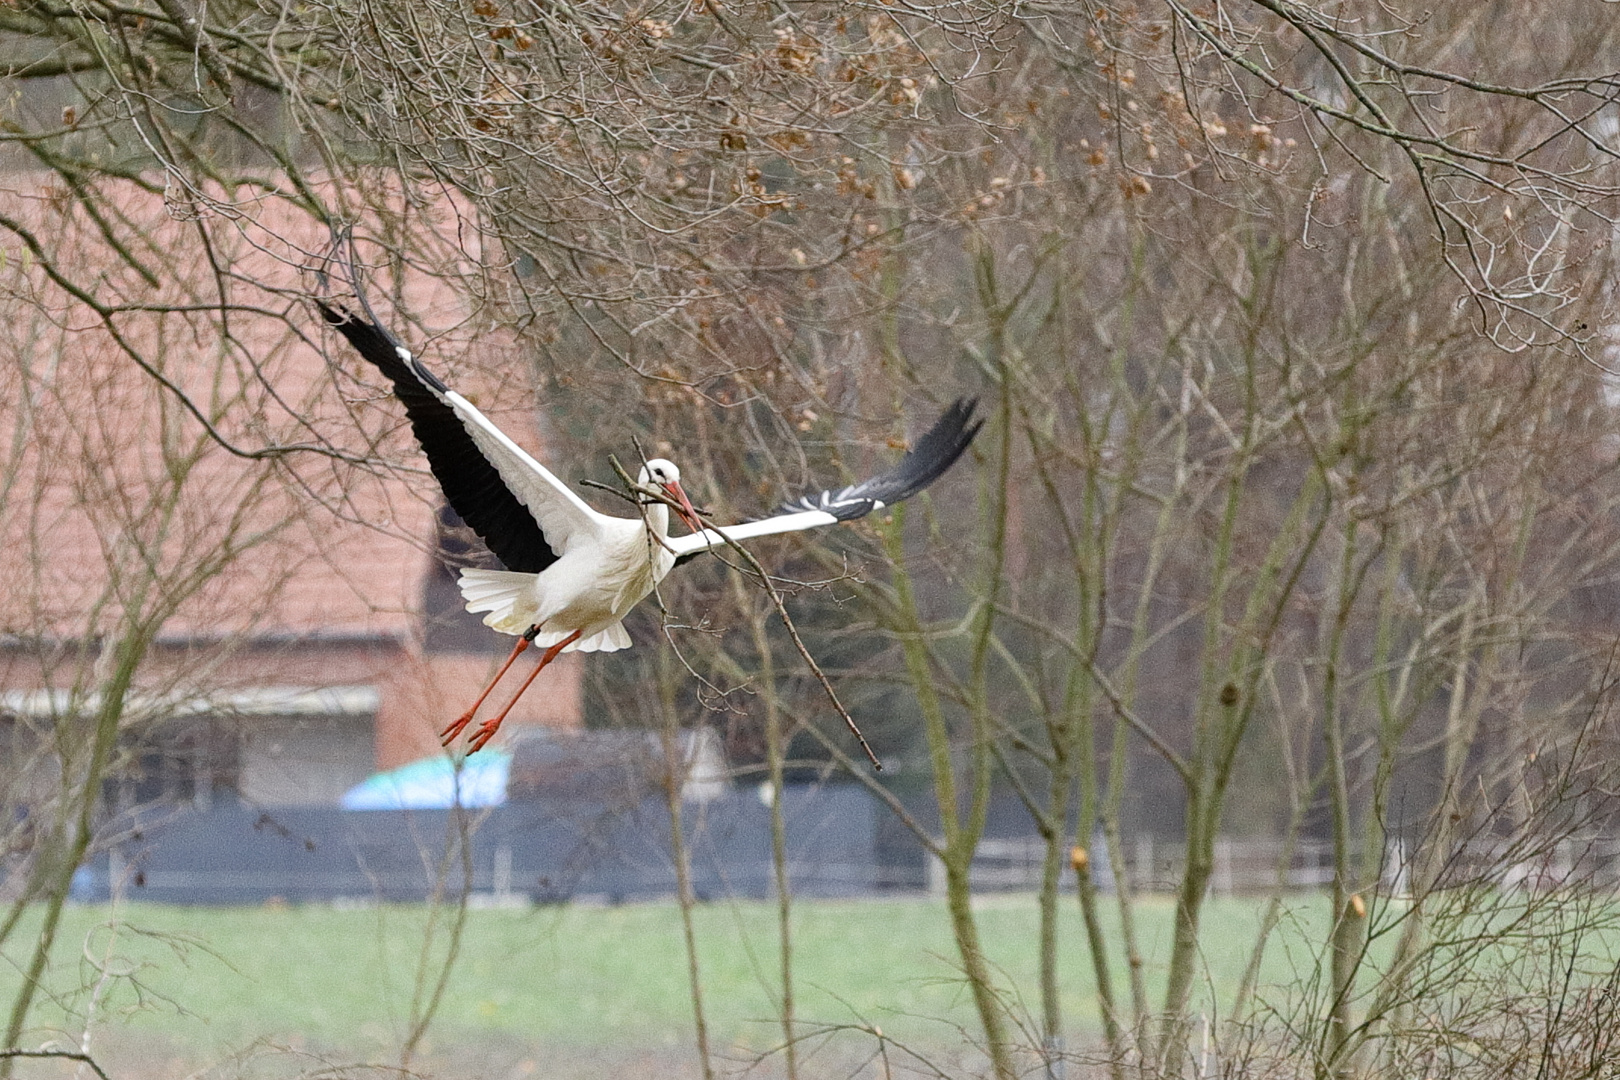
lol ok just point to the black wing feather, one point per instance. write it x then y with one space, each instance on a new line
472 485
924 463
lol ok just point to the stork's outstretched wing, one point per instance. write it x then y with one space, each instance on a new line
525 514
924 463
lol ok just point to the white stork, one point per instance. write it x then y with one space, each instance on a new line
572 574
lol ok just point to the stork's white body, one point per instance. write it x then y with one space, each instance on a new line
605 565
590 588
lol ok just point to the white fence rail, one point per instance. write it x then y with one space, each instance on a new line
1245 865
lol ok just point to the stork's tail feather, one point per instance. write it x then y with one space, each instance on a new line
499 592
612 639
504 594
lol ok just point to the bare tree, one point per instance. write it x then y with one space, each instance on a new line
1294 504
127 530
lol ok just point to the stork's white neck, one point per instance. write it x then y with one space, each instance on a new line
657 518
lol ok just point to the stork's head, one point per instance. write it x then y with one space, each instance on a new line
663 474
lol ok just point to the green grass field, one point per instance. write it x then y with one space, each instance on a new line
207 981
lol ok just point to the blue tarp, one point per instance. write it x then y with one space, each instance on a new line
435 783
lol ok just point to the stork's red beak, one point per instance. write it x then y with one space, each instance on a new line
688 514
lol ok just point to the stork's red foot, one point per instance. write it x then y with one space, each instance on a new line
453 732
486 731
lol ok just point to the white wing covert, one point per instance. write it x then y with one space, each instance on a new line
924 463
718 537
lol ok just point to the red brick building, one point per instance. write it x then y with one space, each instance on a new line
300 629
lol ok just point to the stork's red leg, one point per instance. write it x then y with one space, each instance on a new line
448 735
486 731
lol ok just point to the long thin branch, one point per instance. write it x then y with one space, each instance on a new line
771 590
65 1055
105 314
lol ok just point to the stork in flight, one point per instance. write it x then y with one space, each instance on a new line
572 574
